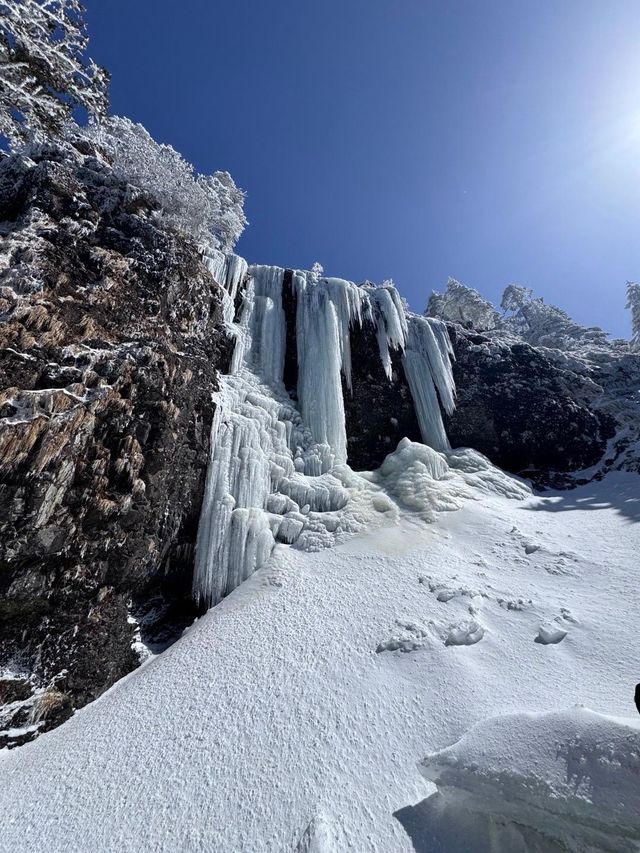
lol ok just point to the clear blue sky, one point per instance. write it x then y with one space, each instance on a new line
496 141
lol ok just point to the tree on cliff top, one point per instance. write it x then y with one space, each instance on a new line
207 207
633 304
44 73
462 304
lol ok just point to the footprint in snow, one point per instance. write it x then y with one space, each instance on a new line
567 615
410 639
466 633
550 636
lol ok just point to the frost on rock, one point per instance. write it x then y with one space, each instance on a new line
278 470
564 780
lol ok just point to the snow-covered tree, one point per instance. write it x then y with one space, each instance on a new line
462 304
515 296
317 270
207 207
546 325
44 73
633 304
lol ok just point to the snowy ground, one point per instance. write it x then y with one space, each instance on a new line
296 715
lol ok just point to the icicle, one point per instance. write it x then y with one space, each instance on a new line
446 351
243 329
216 262
321 348
390 322
426 370
235 273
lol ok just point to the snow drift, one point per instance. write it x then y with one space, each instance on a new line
566 780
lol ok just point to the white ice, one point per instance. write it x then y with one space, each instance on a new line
264 448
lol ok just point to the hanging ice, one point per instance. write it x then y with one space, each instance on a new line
267 324
390 322
325 311
273 475
428 371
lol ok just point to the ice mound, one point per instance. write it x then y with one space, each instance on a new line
428 482
567 780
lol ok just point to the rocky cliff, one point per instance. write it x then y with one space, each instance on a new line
110 343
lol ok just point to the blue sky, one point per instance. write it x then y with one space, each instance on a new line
495 142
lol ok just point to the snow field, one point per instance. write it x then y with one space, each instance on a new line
281 721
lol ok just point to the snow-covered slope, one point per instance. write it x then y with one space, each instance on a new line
297 714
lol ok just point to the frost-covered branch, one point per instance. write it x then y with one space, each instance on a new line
44 72
207 207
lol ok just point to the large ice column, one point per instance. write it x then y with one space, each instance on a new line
268 325
325 311
428 368
234 536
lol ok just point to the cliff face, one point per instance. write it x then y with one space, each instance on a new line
531 410
539 412
110 343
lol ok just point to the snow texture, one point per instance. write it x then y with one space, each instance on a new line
296 715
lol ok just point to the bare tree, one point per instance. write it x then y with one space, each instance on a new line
44 73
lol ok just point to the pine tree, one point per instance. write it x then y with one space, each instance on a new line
462 304
44 73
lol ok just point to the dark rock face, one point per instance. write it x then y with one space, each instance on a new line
378 413
525 411
110 342
530 410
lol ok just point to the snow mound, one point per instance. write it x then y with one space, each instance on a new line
428 482
567 780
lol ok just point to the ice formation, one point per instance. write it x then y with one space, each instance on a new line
278 470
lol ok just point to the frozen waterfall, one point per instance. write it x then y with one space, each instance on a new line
278 470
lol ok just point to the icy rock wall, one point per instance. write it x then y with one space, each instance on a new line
277 471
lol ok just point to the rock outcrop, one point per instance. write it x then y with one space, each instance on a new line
529 411
110 342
